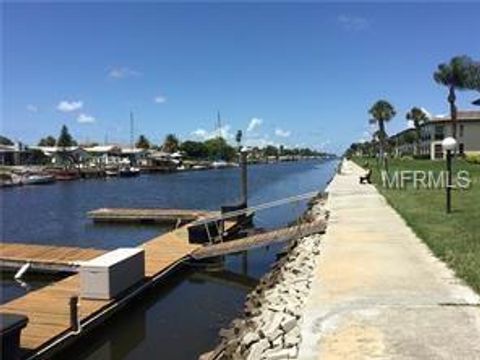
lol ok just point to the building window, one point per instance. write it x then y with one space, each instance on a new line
439 132
461 130
461 148
438 151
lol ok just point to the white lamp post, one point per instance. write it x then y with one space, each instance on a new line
449 144
244 181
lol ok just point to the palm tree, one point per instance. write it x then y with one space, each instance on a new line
170 144
419 117
238 138
381 112
142 142
459 74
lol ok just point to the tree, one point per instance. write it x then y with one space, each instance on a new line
381 112
194 149
218 148
65 139
47 141
271 150
238 138
5 141
170 144
419 117
461 73
142 142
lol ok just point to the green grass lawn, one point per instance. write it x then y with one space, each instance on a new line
455 237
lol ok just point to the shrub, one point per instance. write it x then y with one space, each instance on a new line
473 158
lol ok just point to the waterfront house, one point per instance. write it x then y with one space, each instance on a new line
160 160
440 127
59 155
20 154
134 155
104 155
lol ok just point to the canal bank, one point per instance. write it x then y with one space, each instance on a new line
378 292
272 316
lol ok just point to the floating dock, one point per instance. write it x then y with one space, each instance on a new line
48 308
45 258
166 216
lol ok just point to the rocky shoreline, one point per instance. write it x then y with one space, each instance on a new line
270 327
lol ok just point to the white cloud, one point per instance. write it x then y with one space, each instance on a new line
69 106
202 134
32 108
85 119
123 72
353 23
254 124
160 99
282 133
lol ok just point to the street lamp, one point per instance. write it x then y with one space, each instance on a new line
449 144
243 176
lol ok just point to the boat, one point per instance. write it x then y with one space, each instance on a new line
219 164
129 171
111 172
67 175
38 179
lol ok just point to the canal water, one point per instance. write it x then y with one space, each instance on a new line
179 319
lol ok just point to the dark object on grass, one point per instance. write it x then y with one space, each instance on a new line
366 177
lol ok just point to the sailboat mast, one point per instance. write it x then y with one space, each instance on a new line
219 124
131 130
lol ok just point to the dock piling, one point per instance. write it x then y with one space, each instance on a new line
74 323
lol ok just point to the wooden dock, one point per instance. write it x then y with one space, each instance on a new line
44 257
48 308
168 216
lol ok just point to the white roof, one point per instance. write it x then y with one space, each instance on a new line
102 148
133 151
55 149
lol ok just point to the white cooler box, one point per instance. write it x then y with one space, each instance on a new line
104 277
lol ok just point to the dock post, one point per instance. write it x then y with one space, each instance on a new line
74 313
244 178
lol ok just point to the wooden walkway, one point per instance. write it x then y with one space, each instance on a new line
259 240
44 257
148 215
48 308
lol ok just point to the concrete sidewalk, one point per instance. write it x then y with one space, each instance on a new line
378 292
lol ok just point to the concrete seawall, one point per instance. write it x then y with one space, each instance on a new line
377 290
270 327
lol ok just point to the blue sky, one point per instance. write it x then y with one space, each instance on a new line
305 73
